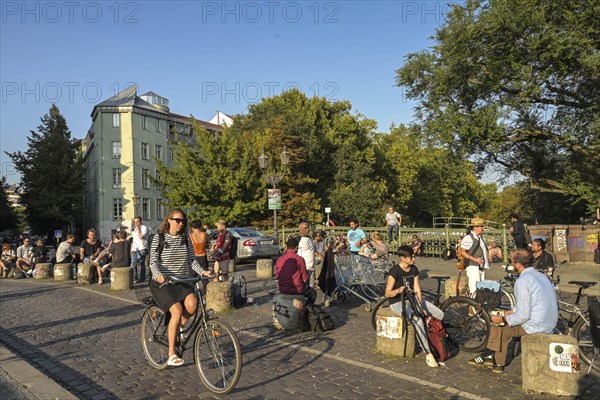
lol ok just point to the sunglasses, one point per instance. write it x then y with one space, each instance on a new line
178 220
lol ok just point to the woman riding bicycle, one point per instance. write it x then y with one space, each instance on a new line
173 260
407 272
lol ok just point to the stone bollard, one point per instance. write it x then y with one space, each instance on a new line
83 273
42 270
264 268
121 278
219 296
289 312
550 358
62 272
232 265
391 341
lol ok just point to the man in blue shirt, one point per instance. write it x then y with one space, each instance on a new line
355 236
536 311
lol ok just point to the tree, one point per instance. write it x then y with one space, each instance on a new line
515 84
8 217
51 186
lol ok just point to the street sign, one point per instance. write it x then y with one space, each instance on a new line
274 199
58 234
327 210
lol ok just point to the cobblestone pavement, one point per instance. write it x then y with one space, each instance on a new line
86 338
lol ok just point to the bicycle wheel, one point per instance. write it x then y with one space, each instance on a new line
583 334
376 290
466 322
382 303
507 301
218 357
271 286
155 341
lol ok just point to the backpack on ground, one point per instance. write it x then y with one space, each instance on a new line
438 339
319 320
238 290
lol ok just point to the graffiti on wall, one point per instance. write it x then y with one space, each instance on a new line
561 239
587 243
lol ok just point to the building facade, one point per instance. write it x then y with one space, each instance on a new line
128 133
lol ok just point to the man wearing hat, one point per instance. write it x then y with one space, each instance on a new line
475 252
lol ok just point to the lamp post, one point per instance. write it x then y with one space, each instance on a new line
136 203
273 177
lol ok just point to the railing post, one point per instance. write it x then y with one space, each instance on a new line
504 245
447 237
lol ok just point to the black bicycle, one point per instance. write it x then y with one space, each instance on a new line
467 323
217 351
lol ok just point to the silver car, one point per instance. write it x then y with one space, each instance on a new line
252 244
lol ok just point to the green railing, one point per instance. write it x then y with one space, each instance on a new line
460 222
435 240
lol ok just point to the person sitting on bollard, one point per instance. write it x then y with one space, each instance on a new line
7 260
65 252
542 260
494 252
24 262
292 275
416 245
89 251
120 251
536 311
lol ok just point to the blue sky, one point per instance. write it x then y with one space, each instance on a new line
203 56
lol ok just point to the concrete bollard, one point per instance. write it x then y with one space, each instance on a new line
264 268
289 312
121 278
219 296
42 270
232 265
62 272
391 341
550 358
83 273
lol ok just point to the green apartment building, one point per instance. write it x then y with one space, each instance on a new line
128 133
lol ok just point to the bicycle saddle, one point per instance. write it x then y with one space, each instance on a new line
440 278
584 285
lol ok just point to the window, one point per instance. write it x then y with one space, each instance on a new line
116 149
157 175
145 179
117 209
116 120
171 155
144 122
145 155
146 209
158 151
159 210
116 177
158 125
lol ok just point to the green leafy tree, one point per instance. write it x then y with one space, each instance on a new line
51 186
515 84
8 217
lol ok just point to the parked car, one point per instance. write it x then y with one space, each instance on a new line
252 244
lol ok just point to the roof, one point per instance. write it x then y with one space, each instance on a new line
205 124
128 98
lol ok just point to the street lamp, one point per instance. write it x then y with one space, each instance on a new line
273 177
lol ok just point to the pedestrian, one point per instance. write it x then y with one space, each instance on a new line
517 231
474 250
201 244
291 273
355 236
393 220
139 249
306 249
120 251
220 252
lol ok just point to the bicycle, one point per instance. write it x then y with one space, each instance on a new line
217 351
574 320
467 323
271 286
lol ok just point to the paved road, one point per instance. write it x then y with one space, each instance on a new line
87 340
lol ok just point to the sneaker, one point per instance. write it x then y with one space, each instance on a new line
100 281
480 361
107 266
430 361
498 369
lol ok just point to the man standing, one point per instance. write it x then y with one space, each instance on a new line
306 250
139 249
517 231
536 311
25 258
355 236
393 220
291 273
65 253
475 252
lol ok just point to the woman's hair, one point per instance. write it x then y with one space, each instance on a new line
375 236
196 224
541 242
164 226
6 246
405 251
415 237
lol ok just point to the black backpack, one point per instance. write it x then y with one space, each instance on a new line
488 298
233 246
238 290
594 310
319 320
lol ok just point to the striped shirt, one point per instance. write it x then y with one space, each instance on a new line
176 255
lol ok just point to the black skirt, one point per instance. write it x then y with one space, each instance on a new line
167 295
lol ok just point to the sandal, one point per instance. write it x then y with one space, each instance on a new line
174 361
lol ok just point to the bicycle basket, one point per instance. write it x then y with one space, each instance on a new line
143 294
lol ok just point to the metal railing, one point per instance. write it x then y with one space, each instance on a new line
460 222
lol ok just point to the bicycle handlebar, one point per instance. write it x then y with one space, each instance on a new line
171 280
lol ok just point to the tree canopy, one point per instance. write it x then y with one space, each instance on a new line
51 186
8 216
516 84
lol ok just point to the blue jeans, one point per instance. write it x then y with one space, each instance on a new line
392 232
139 257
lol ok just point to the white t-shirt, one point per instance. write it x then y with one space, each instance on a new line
64 249
467 243
139 244
393 218
306 250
